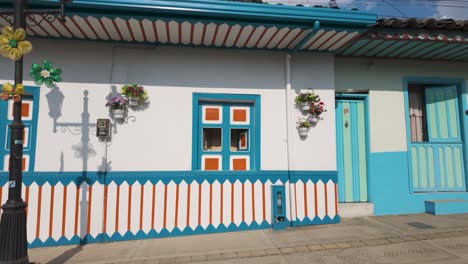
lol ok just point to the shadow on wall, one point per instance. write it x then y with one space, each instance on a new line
83 150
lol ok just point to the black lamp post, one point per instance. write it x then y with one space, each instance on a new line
13 240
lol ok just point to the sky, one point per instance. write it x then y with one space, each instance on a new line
456 9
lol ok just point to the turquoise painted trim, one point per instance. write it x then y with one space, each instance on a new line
339 149
392 49
345 51
220 9
316 221
3 131
367 48
428 50
33 92
461 92
225 100
446 207
308 37
130 177
415 49
277 225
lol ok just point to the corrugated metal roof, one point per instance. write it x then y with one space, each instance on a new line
428 23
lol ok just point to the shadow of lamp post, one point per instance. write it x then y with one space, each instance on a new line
13 239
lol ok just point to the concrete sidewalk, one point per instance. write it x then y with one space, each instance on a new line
360 240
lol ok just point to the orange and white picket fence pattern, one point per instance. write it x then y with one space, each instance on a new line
71 212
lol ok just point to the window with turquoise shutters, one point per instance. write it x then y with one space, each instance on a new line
436 150
442 114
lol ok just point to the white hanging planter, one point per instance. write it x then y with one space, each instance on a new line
133 101
303 131
313 119
305 106
118 113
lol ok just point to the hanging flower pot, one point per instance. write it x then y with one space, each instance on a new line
303 100
135 94
303 127
118 106
133 101
303 131
305 106
118 113
313 119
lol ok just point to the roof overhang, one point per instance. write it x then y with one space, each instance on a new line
213 23
410 43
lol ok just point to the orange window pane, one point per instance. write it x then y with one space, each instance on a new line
212 164
212 114
243 140
239 164
239 115
25 110
23 164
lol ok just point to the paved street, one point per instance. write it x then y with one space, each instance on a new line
390 239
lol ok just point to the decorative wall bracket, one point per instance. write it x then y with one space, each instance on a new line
44 14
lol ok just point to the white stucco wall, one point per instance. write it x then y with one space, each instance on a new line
384 80
161 137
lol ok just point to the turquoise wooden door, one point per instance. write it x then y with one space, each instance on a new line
351 150
437 164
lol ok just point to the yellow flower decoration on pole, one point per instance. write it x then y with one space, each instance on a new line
7 87
19 88
12 43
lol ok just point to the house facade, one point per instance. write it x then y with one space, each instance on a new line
216 148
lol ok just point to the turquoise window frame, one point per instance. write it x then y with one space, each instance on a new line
223 99
32 91
460 83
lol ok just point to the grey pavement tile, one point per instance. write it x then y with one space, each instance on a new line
375 242
167 261
273 251
183 260
315 247
356 243
53 255
401 253
395 239
409 238
202 244
287 250
244 254
300 249
278 259
457 246
329 246
198 258
258 253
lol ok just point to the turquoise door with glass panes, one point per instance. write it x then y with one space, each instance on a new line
29 117
436 150
351 150
226 135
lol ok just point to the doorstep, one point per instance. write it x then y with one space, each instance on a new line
353 210
444 207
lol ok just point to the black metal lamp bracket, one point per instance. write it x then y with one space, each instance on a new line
44 14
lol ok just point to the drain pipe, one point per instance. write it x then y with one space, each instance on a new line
288 89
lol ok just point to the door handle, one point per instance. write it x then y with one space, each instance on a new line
346 124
